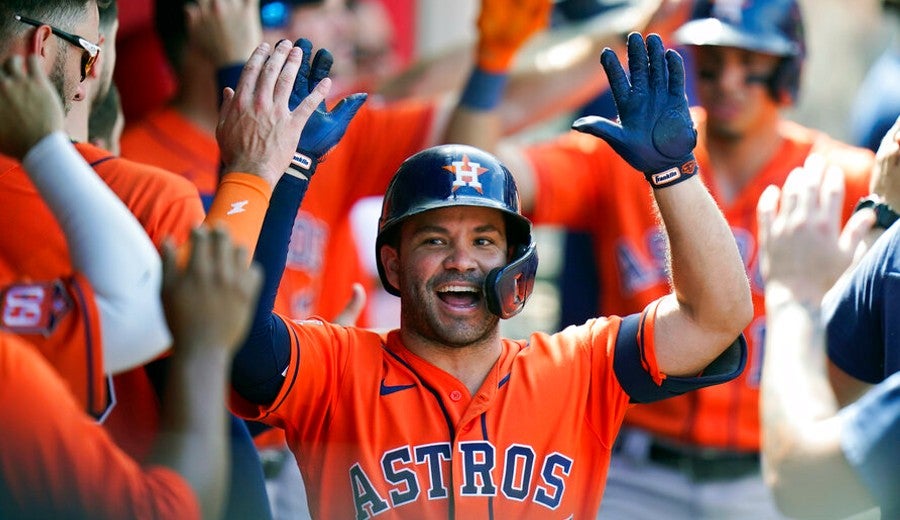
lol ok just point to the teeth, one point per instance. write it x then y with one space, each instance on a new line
458 288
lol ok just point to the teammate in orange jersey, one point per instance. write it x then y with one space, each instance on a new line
38 249
443 417
166 206
695 456
56 461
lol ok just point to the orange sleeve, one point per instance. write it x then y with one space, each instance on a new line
58 462
240 206
60 318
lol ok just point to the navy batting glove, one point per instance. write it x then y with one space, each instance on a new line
655 133
324 128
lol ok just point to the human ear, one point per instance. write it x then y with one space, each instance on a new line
390 260
37 43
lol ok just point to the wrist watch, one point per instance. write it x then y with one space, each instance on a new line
884 214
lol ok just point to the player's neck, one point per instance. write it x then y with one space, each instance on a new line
470 364
736 161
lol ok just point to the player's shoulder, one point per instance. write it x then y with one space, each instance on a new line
123 174
19 358
854 160
593 332
164 120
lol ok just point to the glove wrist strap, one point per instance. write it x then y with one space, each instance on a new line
302 166
672 176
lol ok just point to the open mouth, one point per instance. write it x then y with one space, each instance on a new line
461 296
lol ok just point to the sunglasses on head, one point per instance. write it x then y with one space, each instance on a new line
91 50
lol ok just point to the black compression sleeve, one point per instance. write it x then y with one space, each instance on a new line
258 366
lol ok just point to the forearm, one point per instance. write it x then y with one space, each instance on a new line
559 77
800 431
258 365
710 287
240 206
110 247
475 120
478 128
193 439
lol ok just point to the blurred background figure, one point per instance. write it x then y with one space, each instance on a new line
877 102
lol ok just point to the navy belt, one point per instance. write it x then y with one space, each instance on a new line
703 465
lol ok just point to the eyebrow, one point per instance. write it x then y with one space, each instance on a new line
434 228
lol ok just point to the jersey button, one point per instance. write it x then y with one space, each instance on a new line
455 395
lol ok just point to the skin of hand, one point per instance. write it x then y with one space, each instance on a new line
803 250
257 131
208 301
227 30
504 26
886 173
351 312
29 106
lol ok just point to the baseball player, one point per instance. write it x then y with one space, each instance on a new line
823 461
695 456
166 206
55 460
443 417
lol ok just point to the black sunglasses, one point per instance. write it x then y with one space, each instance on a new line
91 50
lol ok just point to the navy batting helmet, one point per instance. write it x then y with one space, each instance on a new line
458 175
767 26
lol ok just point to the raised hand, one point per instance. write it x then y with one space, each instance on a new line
655 133
802 247
226 30
257 131
325 127
208 301
30 107
886 174
504 26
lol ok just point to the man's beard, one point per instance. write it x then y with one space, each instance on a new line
58 79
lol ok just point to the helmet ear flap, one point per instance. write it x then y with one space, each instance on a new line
784 84
507 288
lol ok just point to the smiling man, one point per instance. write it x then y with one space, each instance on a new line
444 418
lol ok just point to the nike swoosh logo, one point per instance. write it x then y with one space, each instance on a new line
387 390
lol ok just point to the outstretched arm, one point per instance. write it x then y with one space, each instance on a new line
208 304
802 254
259 365
710 301
502 30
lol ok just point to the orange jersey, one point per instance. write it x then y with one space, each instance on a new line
56 461
583 184
168 140
323 262
380 431
166 206
62 319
